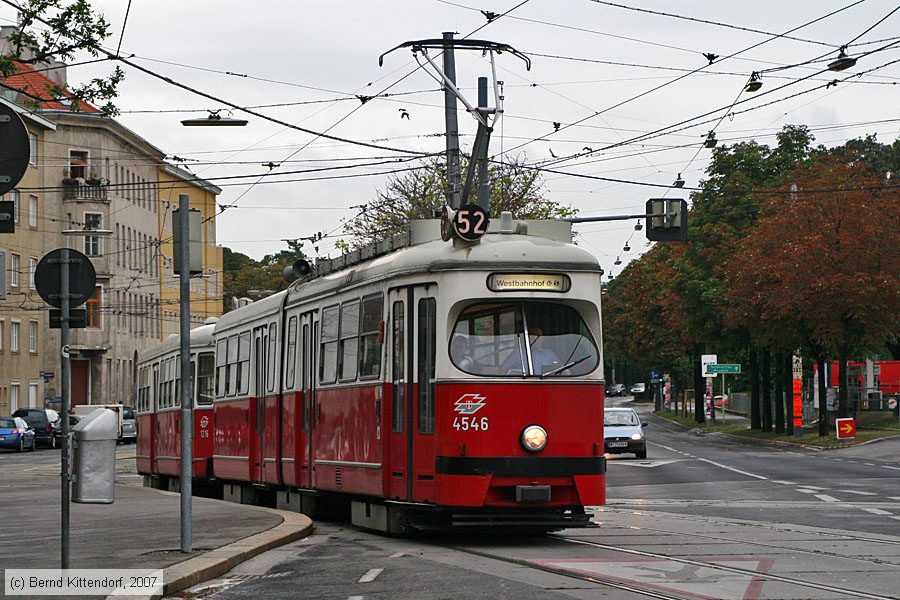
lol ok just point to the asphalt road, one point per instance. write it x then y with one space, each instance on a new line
705 516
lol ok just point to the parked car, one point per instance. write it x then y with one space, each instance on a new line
623 432
638 389
45 423
16 434
129 426
616 389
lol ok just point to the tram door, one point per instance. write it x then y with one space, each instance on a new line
412 338
257 408
309 329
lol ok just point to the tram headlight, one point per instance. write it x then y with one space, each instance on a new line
534 438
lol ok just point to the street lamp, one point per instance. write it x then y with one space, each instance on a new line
184 321
755 82
842 62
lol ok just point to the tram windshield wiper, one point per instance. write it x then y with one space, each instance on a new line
566 366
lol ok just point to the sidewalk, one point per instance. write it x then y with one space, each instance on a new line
141 529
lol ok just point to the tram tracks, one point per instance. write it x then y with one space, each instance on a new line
848 593
650 590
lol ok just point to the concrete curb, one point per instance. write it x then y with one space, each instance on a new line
217 562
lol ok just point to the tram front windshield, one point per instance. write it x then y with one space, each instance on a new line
523 339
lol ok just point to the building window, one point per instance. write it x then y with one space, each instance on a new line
13 397
14 270
32 395
14 195
2 332
92 306
32 267
14 326
32 211
78 164
92 221
32 336
33 153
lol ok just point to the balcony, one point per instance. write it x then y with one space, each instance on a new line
85 190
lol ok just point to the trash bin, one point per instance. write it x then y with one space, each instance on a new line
94 458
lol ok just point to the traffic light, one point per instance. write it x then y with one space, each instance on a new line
666 220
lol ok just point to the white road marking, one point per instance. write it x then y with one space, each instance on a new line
354 598
895 517
876 511
890 467
804 491
869 464
858 492
894 497
784 482
813 487
826 498
397 554
370 576
706 460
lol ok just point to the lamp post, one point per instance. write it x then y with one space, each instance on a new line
183 260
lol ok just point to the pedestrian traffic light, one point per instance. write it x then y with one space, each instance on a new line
666 220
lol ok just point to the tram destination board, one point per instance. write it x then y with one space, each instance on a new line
728 369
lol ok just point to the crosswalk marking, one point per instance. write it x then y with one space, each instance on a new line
876 511
826 498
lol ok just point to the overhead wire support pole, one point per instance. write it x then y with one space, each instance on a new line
452 125
187 421
64 406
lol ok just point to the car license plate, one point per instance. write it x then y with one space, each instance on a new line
618 444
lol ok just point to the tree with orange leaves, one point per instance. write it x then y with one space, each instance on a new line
822 264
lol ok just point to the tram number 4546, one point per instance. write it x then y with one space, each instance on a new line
467 423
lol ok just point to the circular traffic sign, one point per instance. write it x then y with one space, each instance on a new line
48 277
470 222
892 403
15 149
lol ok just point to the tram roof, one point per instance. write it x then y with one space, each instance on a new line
200 336
530 246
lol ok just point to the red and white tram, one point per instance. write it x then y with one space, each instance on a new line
158 408
422 383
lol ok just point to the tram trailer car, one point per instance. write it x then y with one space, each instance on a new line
439 384
158 408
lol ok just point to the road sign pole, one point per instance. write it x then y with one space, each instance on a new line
187 422
64 407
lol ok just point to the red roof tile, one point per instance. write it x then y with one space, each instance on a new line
37 84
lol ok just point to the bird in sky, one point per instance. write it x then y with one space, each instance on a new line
556 125
553 155
710 56
489 15
587 149
404 114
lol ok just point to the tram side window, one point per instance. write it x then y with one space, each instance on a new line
426 351
231 370
273 338
291 359
221 368
369 348
206 378
328 360
243 366
398 365
349 342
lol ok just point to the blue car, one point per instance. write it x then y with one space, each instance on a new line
15 434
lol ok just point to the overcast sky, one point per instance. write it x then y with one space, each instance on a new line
593 63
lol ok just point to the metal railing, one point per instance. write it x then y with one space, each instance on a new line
85 191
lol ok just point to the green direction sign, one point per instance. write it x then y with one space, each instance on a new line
726 368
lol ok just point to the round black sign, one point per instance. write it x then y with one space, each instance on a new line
470 222
82 277
15 149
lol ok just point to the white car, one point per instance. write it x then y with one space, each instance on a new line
638 388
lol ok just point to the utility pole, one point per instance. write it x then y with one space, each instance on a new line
187 421
65 367
453 177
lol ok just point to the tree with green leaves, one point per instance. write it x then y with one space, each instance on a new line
417 194
244 276
56 30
